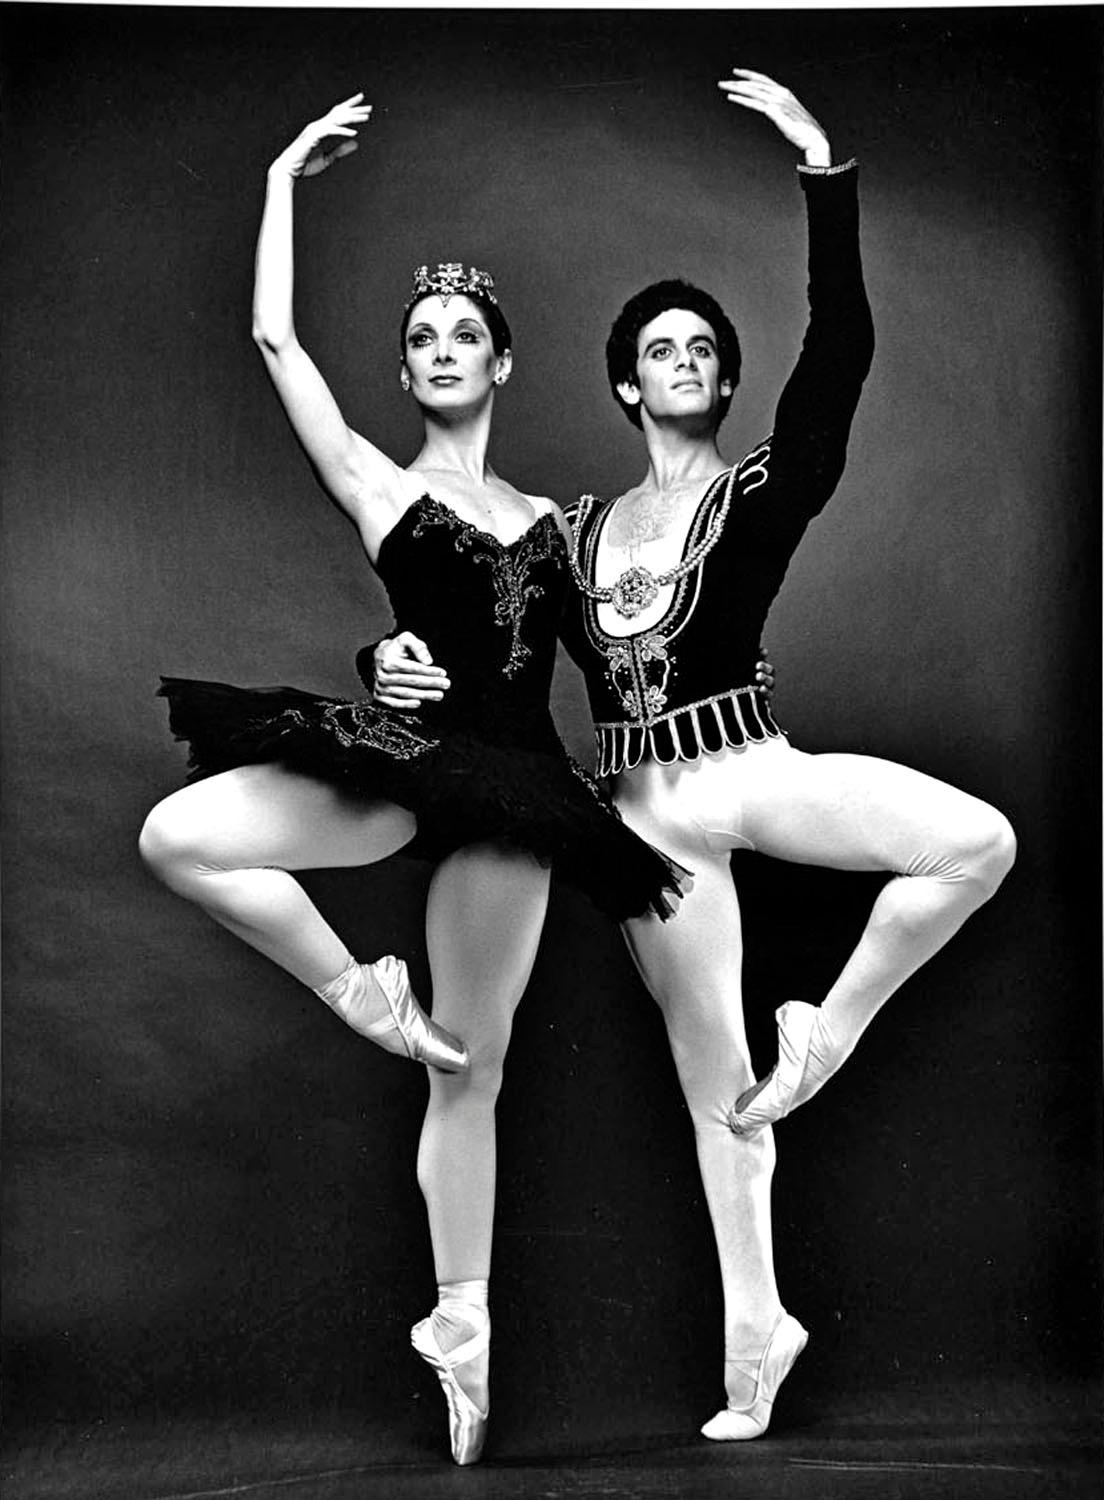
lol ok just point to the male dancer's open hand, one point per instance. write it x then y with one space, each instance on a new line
757 91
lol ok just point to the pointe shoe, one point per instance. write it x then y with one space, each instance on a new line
420 1036
467 1424
776 1362
407 1031
791 1081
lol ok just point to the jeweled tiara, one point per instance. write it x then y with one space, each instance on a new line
448 279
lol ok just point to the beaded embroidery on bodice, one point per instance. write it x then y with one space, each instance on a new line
488 610
510 563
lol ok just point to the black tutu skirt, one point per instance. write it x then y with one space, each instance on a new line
463 786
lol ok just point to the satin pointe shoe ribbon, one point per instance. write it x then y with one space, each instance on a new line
467 1423
784 1345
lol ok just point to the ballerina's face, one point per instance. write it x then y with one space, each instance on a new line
677 368
449 355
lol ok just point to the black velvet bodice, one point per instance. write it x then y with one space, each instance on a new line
489 612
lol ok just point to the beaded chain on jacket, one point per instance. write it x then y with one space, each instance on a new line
638 587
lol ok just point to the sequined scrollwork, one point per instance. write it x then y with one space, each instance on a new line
359 723
639 667
510 564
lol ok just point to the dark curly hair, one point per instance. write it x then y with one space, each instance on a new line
497 326
621 346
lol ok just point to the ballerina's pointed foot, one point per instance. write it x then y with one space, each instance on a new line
419 1036
807 1058
403 1028
467 1421
782 1349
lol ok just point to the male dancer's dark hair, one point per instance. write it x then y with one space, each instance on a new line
621 346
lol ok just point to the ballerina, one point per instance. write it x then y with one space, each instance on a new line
286 780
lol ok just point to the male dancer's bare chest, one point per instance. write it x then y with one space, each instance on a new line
640 540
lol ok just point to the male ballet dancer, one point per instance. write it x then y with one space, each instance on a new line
675 577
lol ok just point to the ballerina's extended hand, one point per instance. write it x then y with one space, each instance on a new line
325 140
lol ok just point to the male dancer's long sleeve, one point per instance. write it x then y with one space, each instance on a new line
815 410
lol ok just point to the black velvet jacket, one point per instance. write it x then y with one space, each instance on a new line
681 686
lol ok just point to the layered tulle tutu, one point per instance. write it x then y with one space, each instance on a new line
463 788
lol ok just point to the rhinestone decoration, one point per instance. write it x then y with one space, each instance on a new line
450 278
633 592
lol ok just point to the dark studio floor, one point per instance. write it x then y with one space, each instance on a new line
993 1442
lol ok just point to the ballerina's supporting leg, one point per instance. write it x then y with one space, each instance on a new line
691 965
949 853
228 843
483 926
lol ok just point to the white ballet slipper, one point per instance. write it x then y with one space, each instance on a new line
805 1050
782 1348
467 1423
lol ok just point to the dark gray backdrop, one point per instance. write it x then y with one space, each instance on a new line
209 1186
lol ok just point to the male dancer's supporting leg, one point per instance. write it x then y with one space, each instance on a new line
692 966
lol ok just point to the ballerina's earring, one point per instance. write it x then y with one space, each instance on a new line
404 381
501 379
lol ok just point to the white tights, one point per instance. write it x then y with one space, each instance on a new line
484 920
228 842
845 812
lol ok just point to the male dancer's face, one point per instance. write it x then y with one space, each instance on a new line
677 369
